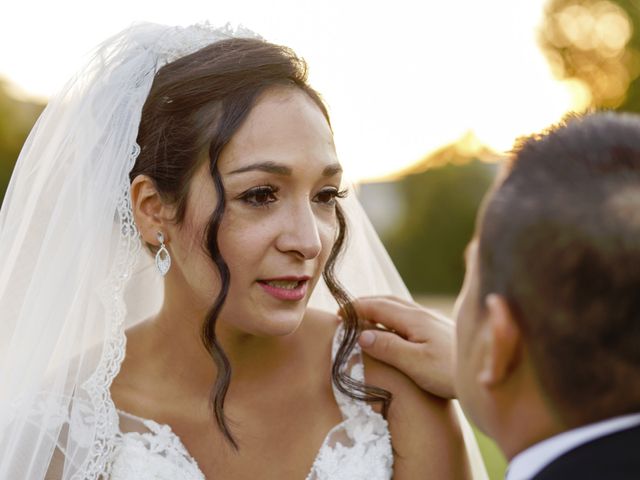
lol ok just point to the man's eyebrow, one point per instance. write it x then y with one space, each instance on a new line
268 167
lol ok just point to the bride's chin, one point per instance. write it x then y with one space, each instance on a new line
260 323
281 324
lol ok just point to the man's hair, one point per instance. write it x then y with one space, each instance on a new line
559 238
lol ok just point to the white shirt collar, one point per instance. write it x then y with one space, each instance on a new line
529 462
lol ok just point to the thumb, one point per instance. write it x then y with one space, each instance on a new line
386 347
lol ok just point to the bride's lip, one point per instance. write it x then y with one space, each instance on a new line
289 294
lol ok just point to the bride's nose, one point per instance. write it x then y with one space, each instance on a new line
299 233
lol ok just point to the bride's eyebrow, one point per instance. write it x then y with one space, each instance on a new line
278 169
331 170
268 167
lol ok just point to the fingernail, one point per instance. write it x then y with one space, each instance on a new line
366 339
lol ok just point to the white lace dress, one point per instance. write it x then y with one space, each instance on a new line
358 448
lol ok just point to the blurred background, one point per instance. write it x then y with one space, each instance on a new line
426 97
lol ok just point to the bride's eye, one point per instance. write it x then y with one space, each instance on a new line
327 196
260 196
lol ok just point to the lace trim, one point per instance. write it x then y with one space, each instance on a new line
159 441
97 386
358 448
363 435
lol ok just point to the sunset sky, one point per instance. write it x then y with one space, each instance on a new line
401 78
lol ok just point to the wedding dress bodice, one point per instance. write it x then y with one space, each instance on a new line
358 448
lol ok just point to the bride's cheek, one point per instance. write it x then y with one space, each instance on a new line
328 231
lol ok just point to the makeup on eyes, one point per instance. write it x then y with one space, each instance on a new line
264 195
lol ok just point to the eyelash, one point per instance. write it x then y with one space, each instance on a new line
335 193
250 196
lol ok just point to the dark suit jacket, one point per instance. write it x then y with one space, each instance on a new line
613 457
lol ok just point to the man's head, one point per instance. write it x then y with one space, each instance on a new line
549 317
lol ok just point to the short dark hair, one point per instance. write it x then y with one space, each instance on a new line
559 238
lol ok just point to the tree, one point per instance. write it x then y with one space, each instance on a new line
16 119
441 203
597 43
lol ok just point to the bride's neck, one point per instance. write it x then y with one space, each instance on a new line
175 337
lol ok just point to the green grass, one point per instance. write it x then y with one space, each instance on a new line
493 458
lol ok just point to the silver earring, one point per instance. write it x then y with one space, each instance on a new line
163 259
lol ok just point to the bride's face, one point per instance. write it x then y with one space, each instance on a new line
281 177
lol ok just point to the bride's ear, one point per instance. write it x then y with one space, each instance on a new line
150 213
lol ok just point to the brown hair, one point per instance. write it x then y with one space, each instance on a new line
559 238
195 106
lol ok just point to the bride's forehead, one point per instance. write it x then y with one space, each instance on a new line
285 133
285 152
283 118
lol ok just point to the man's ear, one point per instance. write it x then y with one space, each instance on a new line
502 340
149 211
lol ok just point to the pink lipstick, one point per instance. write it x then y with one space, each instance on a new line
286 288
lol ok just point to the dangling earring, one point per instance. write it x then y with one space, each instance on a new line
163 259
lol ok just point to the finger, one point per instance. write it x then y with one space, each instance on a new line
438 314
392 298
365 324
411 304
390 348
404 319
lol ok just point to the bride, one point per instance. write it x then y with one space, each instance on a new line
176 236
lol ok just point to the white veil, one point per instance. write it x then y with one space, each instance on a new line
73 275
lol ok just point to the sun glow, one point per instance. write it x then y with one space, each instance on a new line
402 79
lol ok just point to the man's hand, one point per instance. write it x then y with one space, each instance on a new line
419 342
